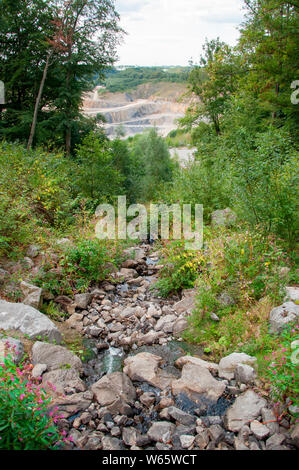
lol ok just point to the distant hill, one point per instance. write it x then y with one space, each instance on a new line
130 78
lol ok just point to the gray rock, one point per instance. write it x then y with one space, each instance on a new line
13 346
228 364
196 382
214 317
259 430
115 392
83 300
60 381
274 441
187 441
38 370
187 304
28 320
216 433
270 420
33 295
179 326
165 323
202 440
295 435
245 409
181 417
283 315
245 374
223 218
111 443
161 431
72 404
144 367
129 436
211 366
55 357
292 294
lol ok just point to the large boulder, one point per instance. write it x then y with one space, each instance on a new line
283 315
179 326
198 384
71 404
223 218
144 367
115 392
228 364
245 409
61 381
55 357
28 320
33 295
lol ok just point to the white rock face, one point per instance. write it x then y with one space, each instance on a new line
28 320
228 364
282 316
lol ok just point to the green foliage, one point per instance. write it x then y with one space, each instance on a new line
282 370
89 262
25 423
131 77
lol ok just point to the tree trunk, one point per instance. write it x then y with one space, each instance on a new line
37 103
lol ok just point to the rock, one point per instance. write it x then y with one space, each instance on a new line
187 304
38 370
115 392
72 404
28 320
129 436
136 252
228 364
83 300
111 443
28 263
202 440
129 312
151 337
165 323
187 441
197 383
223 218
13 347
270 420
126 274
245 374
33 295
211 366
259 430
161 431
181 417
59 381
295 435
180 325
33 251
144 367
214 317
292 294
216 433
245 409
147 399
130 264
282 316
55 357
274 441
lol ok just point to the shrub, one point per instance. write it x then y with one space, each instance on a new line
282 370
25 423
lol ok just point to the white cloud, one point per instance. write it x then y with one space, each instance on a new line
171 32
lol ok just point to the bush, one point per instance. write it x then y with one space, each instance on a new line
282 370
25 423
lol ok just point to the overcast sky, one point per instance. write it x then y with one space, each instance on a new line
171 32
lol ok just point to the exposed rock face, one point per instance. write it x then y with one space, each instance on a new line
228 364
114 391
223 218
282 316
33 295
55 357
197 383
28 320
246 408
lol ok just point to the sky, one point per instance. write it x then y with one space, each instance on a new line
171 32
